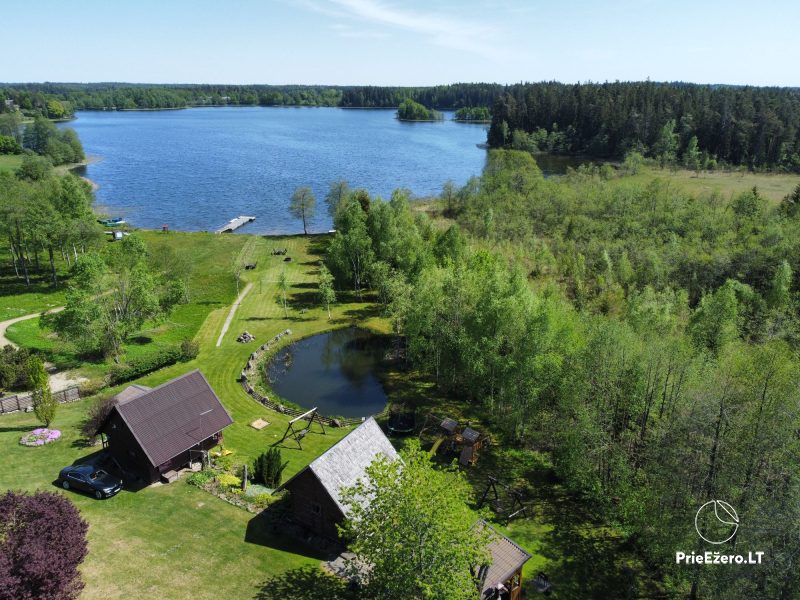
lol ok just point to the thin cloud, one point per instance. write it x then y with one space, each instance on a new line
439 29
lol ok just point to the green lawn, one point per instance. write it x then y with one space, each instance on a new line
176 541
772 185
10 162
172 541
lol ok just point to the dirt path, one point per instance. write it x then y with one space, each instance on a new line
59 380
232 312
4 325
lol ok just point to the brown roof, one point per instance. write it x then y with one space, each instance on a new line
507 558
172 417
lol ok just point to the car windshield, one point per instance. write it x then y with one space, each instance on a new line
98 474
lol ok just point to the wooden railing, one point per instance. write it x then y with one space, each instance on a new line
18 402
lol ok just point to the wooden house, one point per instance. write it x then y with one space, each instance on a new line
151 433
502 579
315 491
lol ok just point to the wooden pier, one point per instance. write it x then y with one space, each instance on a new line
234 224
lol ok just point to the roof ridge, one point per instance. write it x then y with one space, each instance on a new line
367 420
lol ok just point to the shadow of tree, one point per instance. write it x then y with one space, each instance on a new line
309 583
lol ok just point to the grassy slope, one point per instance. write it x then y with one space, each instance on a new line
772 185
10 162
187 542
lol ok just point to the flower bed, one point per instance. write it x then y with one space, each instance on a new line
40 437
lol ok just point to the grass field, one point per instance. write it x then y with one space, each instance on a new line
10 162
728 183
176 541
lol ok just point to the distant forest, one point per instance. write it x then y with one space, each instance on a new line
751 126
758 128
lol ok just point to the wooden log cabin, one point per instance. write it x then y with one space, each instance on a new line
315 491
152 433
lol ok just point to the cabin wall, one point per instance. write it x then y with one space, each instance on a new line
184 458
313 507
126 450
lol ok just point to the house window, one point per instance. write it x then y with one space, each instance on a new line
316 508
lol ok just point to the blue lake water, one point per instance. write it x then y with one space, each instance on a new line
195 169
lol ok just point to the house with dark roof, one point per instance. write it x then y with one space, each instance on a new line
502 578
152 432
316 490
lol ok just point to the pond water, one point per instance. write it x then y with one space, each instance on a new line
334 371
195 169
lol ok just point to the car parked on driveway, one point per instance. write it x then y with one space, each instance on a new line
90 479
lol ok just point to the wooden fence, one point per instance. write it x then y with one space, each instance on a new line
251 370
18 402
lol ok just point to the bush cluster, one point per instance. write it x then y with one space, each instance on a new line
14 368
148 363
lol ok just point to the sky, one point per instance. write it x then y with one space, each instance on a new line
395 42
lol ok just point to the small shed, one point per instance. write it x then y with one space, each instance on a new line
316 490
150 432
502 579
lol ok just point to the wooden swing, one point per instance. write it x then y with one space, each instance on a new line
297 433
517 505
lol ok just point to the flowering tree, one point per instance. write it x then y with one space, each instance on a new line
42 543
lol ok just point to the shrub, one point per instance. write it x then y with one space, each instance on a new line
90 387
228 480
14 368
95 416
190 349
143 365
200 478
268 468
42 543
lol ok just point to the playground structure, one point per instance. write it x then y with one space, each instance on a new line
307 419
517 505
402 420
467 442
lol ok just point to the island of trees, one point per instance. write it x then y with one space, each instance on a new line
480 114
414 111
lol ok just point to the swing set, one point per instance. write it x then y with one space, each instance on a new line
300 426
517 505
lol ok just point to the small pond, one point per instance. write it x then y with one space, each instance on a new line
335 371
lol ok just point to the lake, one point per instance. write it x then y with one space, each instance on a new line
334 371
195 169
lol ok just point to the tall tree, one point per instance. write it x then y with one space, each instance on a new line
302 206
338 192
283 290
415 532
327 294
44 405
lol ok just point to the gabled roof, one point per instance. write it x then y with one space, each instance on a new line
507 557
172 417
346 461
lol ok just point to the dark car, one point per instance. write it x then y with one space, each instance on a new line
91 479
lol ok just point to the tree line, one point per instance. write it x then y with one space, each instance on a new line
645 339
59 100
758 127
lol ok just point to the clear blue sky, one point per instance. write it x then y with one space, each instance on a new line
395 42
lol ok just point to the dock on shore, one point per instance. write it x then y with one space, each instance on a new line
234 224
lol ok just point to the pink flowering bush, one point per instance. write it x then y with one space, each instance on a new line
40 437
